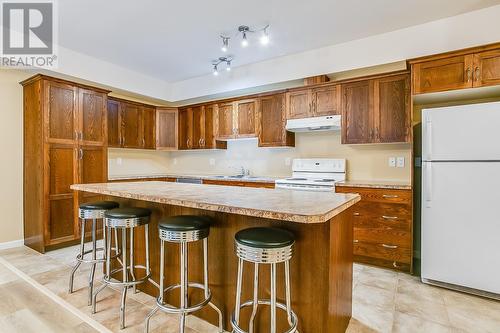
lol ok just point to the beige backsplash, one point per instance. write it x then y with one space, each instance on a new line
365 162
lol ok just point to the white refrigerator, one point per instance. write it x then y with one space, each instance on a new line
461 198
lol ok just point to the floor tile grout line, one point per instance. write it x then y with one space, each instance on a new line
44 290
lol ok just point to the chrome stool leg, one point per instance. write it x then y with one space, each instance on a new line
94 257
125 278
238 291
107 267
255 297
184 282
205 284
82 251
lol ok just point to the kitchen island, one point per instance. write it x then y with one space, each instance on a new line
321 268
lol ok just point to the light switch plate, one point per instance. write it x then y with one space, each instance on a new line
119 161
392 162
288 161
211 161
175 161
400 162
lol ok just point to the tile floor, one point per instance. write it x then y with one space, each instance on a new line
383 301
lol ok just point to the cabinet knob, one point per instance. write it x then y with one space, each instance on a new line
187 143
476 74
469 74
143 142
387 246
389 217
356 214
389 196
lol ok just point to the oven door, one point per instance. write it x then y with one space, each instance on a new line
304 187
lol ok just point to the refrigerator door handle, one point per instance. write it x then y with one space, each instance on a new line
428 123
428 185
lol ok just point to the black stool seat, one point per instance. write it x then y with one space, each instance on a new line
265 238
99 205
183 223
127 213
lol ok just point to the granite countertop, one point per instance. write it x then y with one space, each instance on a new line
279 204
384 184
256 179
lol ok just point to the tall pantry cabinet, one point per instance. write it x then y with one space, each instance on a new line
65 142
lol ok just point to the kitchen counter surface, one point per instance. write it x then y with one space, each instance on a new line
278 204
382 184
256 179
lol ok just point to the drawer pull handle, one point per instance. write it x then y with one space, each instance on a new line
389 246
356 214
395 265
390 196
356 241
389 217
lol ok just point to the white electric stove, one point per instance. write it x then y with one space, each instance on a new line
314 174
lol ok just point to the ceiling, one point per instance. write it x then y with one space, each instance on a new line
177 40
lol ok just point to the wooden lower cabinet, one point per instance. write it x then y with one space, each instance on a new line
238 183
383 227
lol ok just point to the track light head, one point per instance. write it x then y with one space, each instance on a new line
264 39
216 71
225 44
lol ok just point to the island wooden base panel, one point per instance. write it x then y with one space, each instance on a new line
321 269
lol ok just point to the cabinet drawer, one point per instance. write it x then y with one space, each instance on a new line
391 238
384 211
379 251
379 195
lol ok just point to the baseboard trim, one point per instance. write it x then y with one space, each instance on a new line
11 244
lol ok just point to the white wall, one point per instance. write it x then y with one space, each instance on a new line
11 148
365 162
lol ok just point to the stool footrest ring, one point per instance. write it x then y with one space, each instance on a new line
175 310
294 319
134 282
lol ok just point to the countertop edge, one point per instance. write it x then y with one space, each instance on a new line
264 179
266 214
375 185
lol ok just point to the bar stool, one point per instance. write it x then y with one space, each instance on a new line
184 229
264 246
93 211
125 219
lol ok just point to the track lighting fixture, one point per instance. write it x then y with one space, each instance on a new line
216 63
264 39
225 43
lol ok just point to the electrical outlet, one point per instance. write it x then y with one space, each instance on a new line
119 161
288 161
400 163
175 161
211 161
392 162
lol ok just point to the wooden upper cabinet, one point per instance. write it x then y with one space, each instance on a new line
392 109
225 121
92 118
443 74
487 68
210 126
357 112
298 104
61 117
148 127
272 131
114 124
198 132
131 123
246 115
326 101
166 129
185 128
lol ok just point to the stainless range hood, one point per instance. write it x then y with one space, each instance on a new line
326 123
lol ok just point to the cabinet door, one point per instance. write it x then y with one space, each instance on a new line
92 164
487 68
392 109
225 120
61 116
185 129
166 129
92 117
131 115
246 115
114 124
357 112
442 74
210 130
198 126
298 104
272 122
148 127
61 164
326 101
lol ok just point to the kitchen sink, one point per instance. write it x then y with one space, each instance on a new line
236 177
